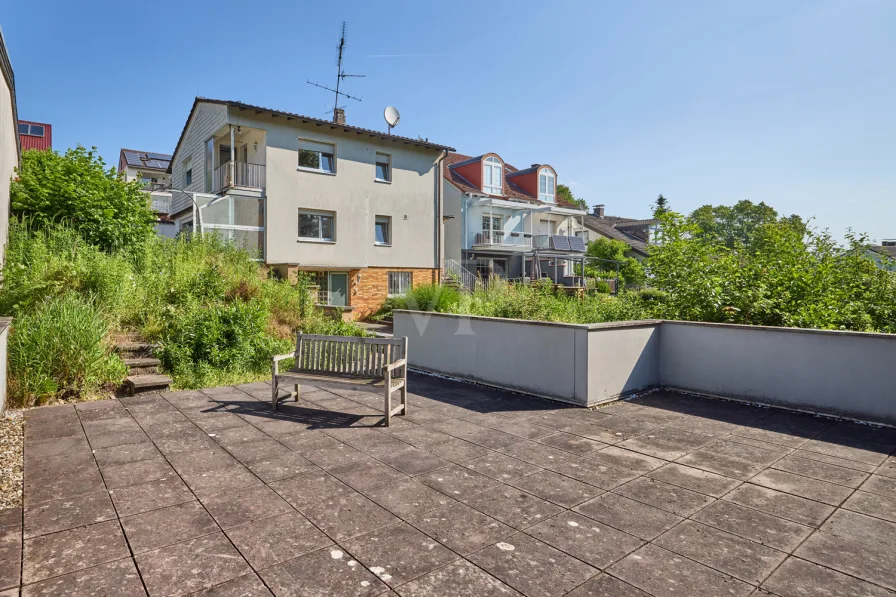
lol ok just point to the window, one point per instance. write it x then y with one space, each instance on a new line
491 175
492 231
382 229
186 228
546 185
188 171
317 226
317 156
384 167
399 283
209 163
35 130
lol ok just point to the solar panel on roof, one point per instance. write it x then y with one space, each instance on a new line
560 243
159 156
577 243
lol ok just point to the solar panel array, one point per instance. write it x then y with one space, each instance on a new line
577 243
156 164
560 243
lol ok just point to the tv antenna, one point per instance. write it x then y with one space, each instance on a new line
392 117
340 75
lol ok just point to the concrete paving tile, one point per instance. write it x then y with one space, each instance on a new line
200 461
777 503
399 553
627 425
622 458
580 446
867 453
414 461
244 586
74 549
853 464
664 496
135 499
11 517
872 504
513 507
52 468
167 526
822 471
880 485
694 479
537 454
501 467
665 574
327 572
888 468
257 450
225 479
53 429
148 418
799 578
53 447
58 515
119 437
752 524
461 579
124 454
813 489
785 428
308 488
594 473
524 429
117 476
730 554
556 488
666 443
585 538
532 567
704 425
280 467
460 527
853 544
459 482
405 498
187 567
10 556
347 515
606 586
214 423
117 578
629 516
420 437
238 507
276 539
457 450
334 456
366 473
732 459
79 482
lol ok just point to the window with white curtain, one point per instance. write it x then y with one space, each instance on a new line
492 175
546 183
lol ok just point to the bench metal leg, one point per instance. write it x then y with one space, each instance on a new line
297 392
404 398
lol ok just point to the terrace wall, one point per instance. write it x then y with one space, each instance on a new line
842 373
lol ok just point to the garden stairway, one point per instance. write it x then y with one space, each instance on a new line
143 368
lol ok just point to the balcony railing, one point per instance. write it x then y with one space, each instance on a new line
500 237
241 174
160 202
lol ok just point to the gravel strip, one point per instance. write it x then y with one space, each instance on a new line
12 442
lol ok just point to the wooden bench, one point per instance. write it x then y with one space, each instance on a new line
375 364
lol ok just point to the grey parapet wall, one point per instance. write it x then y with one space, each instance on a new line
847 374
4 337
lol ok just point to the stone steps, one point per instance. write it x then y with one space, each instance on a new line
140 365
141 384
143 368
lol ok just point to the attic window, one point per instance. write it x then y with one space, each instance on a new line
491 175
546 182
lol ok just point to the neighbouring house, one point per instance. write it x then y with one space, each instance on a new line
884 253
359 210
151 169
633 232
35 135
10 155
508 222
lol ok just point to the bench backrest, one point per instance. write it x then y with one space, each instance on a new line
347 355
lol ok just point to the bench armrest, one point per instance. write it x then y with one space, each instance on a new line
396 365
275 361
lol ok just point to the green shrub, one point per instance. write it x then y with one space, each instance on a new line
432 297
58 350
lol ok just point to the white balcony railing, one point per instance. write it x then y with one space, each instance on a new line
500 237
239 174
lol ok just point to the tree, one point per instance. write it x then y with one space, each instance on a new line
76 188
738 223
660 206
631 272
565 193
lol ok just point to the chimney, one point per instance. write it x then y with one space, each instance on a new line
339 116
598 210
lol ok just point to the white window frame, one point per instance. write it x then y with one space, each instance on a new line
314 147
549 194
377 161
187 166
493 165
404 281
387 220
320 214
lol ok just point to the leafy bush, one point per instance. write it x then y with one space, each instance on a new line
77 188
59 349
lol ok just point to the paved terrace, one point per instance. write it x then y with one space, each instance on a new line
476 493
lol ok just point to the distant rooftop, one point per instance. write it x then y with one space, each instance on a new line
145 159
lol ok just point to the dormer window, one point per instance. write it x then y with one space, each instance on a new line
492 176
546 180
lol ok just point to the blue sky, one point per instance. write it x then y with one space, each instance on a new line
792 103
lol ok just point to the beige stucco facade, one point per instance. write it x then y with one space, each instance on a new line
9 144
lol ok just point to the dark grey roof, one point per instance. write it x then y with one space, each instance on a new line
888 250
146 159
606 226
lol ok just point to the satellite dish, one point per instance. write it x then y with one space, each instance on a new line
392 117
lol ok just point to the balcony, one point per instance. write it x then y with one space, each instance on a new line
501 238
559 242
238 174
160 202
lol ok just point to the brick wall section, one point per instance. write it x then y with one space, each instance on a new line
369 293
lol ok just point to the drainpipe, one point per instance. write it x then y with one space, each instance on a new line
232 158
440 182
